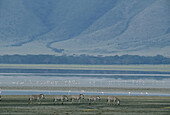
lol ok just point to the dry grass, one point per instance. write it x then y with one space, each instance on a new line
130 105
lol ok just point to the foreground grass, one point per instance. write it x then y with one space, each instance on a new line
130 105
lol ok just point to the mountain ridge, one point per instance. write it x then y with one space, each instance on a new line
115 27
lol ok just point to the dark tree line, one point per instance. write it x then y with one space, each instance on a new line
83 59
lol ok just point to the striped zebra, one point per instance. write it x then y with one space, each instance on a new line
77 97
36 97
60 98
113 99
93 98
0 95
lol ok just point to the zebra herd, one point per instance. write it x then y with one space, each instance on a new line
74 99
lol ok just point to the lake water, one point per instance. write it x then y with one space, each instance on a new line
93 79
86 80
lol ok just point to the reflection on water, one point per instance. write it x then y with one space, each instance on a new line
86 80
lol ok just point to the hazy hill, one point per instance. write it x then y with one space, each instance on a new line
85 27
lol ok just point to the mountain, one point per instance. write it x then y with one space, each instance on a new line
95 27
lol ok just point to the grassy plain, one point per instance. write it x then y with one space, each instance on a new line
160 68
130 105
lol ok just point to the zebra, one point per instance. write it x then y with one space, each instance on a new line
93 98
60 98
0 95
77 97
36 97
113 99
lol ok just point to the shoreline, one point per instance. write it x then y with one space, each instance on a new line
56 92
95 90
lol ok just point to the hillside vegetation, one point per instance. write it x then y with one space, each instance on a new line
83 59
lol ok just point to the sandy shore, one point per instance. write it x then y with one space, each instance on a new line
94 89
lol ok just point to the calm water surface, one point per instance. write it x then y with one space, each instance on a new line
86 80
